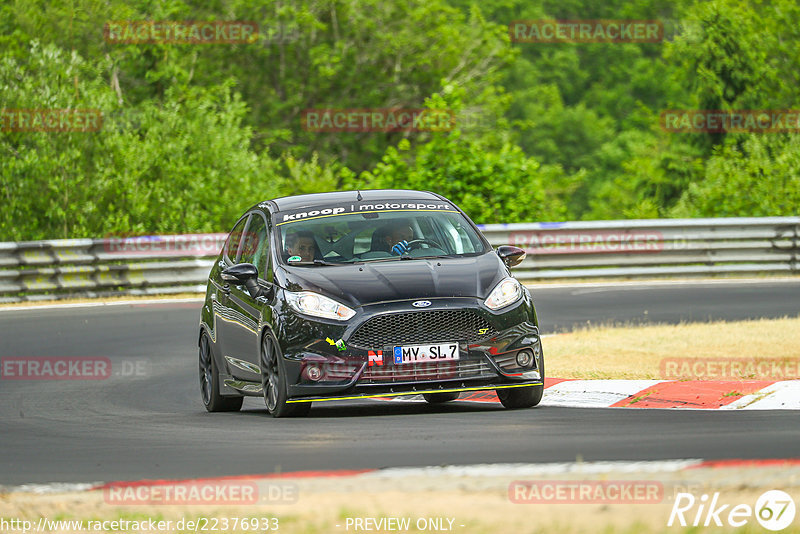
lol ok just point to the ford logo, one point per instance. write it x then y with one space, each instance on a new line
421 303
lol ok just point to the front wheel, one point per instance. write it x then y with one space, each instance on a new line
524 397
273 383
209 382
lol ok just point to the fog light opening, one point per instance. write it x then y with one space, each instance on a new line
524 358
314 373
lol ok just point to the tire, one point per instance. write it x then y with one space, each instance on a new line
209 382
273 383
527 397
439 398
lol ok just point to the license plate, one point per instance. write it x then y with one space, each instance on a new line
425 353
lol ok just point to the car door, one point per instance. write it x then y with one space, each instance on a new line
229 319
243 343
220 296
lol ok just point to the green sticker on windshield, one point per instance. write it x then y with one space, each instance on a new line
295 258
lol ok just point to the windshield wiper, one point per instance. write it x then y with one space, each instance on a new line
309 263
425 257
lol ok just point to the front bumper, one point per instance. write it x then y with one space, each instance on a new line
332 361
413 391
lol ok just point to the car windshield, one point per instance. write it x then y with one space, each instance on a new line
361 233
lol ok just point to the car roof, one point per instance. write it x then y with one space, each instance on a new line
317 199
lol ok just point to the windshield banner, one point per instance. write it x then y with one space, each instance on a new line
284 217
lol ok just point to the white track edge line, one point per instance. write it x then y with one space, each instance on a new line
100 304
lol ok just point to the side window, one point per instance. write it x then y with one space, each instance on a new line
454 236
469 241
461 239
255 248
234 239
432 228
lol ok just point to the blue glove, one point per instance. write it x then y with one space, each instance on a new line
401 248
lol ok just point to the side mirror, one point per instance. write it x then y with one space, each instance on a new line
243 273
239 273
511 256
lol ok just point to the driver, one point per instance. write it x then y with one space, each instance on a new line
398 237
301 244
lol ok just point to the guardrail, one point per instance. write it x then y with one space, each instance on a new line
653 247
142 265
42 270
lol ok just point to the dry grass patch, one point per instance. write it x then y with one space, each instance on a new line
628 352
476 504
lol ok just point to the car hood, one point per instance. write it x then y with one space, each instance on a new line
371 282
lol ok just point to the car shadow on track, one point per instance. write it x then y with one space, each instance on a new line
387 409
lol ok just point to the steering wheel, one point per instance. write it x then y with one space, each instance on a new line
415 243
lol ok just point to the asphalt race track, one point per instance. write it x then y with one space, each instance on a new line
664 302
147 420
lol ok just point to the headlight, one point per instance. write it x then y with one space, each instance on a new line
506 292
318 306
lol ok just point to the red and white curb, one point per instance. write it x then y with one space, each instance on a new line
685 394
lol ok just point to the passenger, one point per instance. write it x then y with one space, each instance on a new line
301 244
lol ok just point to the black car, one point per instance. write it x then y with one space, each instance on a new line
361 294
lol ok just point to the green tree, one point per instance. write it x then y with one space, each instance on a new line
757 179
493 183
180 165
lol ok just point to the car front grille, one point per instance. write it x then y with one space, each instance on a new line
435 326
426 371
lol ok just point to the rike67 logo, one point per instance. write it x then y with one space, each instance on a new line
774 510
